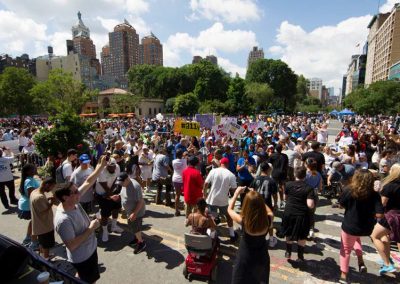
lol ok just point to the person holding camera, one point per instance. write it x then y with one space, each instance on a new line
7 178
76 229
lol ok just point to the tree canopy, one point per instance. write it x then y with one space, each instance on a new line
186 104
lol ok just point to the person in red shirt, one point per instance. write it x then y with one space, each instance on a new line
192 184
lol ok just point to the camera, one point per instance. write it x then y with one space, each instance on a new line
117 189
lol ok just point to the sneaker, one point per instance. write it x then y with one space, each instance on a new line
288 255
34 245
140 247
117 229
387 269
311 234
27 241
381 263
104 238
177 213
362 268
134 242
273 241
343 281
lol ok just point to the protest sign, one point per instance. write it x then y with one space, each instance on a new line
205 120
187 127
219 131
234 129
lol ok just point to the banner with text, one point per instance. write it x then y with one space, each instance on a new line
205 120
187 127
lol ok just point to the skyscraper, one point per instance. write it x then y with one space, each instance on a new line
151 51
255 54
123 51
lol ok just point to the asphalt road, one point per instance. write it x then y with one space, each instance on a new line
165 253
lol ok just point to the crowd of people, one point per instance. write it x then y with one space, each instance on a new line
282 167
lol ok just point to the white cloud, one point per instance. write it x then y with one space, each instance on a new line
230 11
231 67
17 34
388 6
108 24
210 41
324 52
137 6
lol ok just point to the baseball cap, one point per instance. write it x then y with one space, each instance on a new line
224 161
336 165
84 158
122 176
112 162
300 139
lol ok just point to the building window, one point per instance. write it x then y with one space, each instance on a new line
140 111
159 110
149 110
155 111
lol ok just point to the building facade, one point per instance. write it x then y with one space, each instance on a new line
210 58
314 86
255 53
151 51
22 61
383 45
355 75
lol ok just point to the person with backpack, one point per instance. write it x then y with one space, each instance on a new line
268 189
27 185
65 170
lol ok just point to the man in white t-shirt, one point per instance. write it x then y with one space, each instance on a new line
109 202
67 168
220 180
346 139
6 178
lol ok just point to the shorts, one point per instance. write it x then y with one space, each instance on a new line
88 270
25 215
47 240
107 206
221 210
178 186
135 226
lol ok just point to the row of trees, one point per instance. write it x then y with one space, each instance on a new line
205 88
379 98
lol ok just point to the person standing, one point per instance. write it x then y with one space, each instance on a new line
78 177
280 165
27 185
220 180
75 228
7 178
296 220
146 165
42 216
160 176
317 156
178 165
192 185
268 189
362 205
252 263
245 165
135 208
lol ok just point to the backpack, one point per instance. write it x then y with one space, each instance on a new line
59 174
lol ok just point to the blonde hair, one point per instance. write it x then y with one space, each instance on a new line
393 174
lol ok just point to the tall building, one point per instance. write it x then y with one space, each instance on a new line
210 58
383 45
355 75
255 54
151 51
196 59
124 51
22 61
314 86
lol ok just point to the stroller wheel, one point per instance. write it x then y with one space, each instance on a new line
185 272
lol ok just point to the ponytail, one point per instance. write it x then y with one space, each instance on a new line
26 169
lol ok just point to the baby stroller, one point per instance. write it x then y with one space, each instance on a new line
201 261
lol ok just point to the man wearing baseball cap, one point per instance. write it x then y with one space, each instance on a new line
135 207
79 176
220 181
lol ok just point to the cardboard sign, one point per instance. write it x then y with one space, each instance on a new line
226 120
205 120
177 125
188 128
219 131
234 129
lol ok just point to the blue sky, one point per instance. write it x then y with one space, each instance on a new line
315 37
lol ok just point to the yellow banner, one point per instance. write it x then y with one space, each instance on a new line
187 128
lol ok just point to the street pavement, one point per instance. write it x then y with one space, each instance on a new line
165 253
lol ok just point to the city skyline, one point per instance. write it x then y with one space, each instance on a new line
318 46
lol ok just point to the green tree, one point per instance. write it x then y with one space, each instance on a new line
278 75
186 104
236 103
169 105
212 106
15 97
60 92
301 89
69 131
309 104
124 103
260 94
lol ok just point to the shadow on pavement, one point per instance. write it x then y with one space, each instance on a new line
154 214
161 253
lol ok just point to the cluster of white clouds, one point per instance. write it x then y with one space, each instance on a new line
28 26
230 11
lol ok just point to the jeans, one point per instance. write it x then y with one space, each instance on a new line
11 192
349 242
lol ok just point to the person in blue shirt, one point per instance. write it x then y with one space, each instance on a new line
231 157
28 184
245 165
181 145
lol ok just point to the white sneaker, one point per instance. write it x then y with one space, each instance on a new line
311 234
104 238
273 241
116 229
